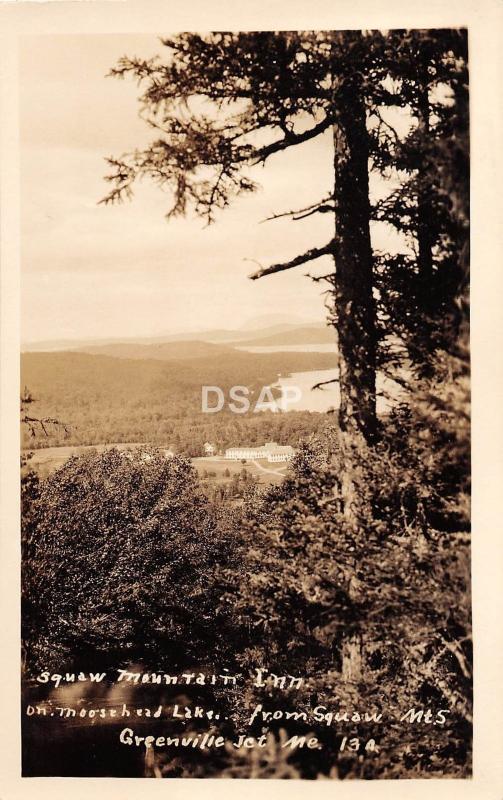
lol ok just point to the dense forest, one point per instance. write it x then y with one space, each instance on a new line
103 399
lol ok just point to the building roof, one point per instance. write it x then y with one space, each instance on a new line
267 448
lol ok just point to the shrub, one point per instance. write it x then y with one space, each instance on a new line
373 607
119 562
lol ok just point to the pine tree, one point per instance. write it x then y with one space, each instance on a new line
296 86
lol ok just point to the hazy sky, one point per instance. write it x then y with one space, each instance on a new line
91 271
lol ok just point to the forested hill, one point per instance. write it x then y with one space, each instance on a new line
105 399
162 351
190 349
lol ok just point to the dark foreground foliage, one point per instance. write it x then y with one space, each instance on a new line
119 557
127 561
376 608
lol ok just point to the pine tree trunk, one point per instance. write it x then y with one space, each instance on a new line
354 313
354 304
354 308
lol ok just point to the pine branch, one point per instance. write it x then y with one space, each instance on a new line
291 139
316 208
33 422
316 252
321 384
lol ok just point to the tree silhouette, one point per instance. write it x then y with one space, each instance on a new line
265 93
293 85
224 102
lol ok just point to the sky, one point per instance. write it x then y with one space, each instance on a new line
91 271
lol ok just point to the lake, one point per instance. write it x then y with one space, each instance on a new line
328 397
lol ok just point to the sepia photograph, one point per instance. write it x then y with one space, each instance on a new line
245 404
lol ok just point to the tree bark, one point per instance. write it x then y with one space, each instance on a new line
354 303
354 308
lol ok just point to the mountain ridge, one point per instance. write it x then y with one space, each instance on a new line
284 332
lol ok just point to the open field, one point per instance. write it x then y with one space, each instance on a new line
48 459
215 467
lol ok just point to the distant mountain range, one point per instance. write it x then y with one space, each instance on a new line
319 334
194 344
274 320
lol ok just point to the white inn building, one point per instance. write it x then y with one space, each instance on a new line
270 451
